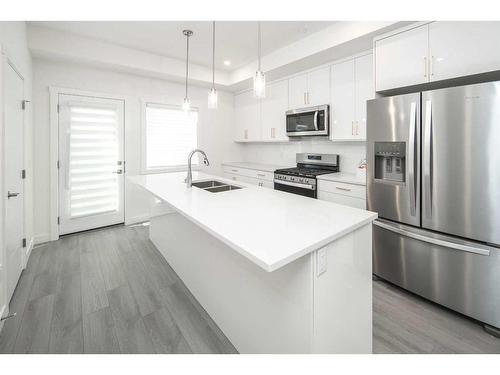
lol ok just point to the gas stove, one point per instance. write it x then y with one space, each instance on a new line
302 179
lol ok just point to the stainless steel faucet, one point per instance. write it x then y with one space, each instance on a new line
189 179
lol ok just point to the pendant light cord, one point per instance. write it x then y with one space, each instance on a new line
187 63
259 45
213 56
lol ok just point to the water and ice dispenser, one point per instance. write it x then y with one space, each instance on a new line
390 161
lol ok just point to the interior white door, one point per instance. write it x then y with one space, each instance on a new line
14 186
91 165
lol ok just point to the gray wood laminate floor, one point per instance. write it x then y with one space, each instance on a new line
111 291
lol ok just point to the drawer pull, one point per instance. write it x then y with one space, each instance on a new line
341 188
234 170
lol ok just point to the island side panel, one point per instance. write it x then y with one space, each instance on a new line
343 295
259 311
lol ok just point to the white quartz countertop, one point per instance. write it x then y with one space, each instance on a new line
255 166
269 227
347 178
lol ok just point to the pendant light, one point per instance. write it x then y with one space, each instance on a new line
212 95
259 80
186 106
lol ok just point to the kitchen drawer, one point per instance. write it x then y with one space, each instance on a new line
342 199
261 175
351 190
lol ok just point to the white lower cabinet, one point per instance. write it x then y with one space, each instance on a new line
250 176
347 194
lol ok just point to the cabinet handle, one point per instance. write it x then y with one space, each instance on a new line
341 188
261 175
357 127
234 170
308 101
305 101
273 132
352 127
432 66
425 66
246 133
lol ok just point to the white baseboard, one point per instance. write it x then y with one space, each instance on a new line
137 219
41 238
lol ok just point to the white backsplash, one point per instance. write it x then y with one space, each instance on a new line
351 153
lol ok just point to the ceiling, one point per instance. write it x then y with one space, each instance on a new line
235 40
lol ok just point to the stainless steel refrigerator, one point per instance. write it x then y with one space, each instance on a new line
434 178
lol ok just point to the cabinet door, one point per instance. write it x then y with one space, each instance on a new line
342 199
247 117
402 59
463 48
297 92
364 91
342 106
266 184
274 106
318 87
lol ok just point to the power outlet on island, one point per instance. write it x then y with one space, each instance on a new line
321 262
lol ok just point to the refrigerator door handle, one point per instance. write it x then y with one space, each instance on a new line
411 157
427 167
433 241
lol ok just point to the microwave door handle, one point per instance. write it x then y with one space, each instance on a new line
411 158
316 120
427 167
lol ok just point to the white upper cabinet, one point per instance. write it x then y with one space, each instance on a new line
352 86
247 111
364 91
318 87
463 48
297 91
342 109
437 51
402 59
309 89
274 107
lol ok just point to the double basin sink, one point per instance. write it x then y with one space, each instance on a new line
214 186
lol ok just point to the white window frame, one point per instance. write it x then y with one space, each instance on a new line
144 168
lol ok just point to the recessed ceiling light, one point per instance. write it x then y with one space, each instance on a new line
227 62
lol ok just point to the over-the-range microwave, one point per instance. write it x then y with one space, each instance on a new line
308 121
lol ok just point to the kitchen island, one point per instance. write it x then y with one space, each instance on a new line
278 272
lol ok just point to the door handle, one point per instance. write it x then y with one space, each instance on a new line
411 158
427 158
11 194
411 233
118 171
316 120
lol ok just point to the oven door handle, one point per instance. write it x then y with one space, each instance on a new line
294 184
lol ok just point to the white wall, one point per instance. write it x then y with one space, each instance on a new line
13 43
351 153
215 137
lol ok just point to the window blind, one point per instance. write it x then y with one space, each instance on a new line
171 134
93 156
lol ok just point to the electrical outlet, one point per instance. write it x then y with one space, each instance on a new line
321 262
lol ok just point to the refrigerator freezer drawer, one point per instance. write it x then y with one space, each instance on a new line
461 275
